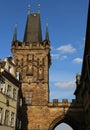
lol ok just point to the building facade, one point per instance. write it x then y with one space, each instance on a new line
83 82
9 88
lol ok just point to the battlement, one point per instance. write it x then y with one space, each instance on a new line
32 45
64 103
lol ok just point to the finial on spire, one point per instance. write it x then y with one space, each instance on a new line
47 22
29 9
38 8
15 33
47 34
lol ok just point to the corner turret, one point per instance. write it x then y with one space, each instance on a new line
47 33
15 34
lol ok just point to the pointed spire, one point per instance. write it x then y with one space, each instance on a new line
33 32
28 9
15 33
47 34
38 8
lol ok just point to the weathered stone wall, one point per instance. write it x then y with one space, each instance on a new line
33 63
47 117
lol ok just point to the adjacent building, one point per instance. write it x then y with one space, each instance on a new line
83 82
9 89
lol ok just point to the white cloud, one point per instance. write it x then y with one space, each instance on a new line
77 60
66 49
68 84
55 56
63 57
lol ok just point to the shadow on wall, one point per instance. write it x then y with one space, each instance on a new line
72 114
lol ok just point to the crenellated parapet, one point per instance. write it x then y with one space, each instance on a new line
26 45
65 103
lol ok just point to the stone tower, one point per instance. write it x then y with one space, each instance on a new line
32 58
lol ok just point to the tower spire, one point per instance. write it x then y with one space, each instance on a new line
29 9
38 8
33 32
47 33
15 33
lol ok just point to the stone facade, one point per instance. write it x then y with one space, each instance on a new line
33 62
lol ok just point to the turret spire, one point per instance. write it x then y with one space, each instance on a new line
15 33
29 9
38 8
47 34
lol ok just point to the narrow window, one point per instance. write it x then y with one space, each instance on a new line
6 117
9 90
2 85
18 125
12 119
28 98
14 94
20 102
1 115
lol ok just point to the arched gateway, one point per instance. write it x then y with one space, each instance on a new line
68 120
32 58
69 113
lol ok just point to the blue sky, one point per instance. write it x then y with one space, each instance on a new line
67 27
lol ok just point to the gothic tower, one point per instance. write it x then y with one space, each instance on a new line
32 58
